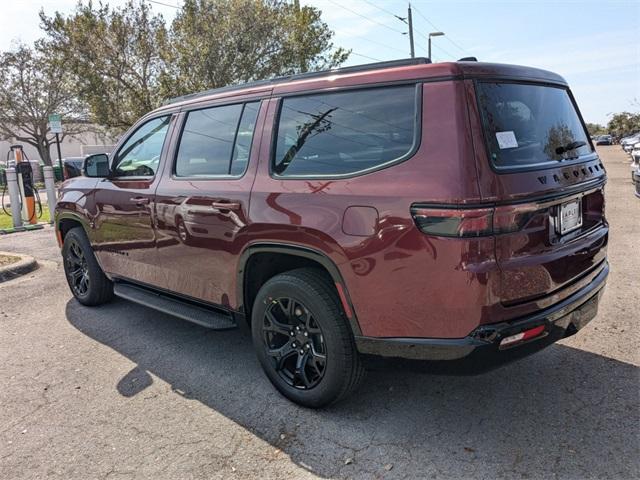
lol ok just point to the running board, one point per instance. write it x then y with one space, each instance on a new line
178 308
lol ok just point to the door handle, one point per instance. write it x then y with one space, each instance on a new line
140 200
225 205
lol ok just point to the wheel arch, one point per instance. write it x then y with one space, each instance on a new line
300 256
65 221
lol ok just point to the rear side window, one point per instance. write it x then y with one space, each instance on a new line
216 141
345 132
244 137
530 125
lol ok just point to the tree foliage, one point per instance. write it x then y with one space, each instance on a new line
595 129
32 87
624 123
114 57
221 42
124 61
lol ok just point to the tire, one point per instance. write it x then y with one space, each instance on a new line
305 298
86 279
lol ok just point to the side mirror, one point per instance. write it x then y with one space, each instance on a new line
96 166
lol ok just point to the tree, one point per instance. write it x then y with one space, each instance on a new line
595 129
125 62
221 42
114 57
32 87
624 123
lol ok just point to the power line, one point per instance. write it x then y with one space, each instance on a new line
402 19
444 50
164 4
437 29
380 44
367 18
366 56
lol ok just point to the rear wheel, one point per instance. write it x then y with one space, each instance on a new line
303 340
86 280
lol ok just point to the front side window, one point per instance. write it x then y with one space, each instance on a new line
216 141
527 125
140 155
345 132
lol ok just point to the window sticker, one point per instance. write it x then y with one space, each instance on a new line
506 140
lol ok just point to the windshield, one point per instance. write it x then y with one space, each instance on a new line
529 125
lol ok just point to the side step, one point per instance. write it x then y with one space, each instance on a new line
178 308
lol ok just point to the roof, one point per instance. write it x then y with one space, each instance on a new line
397 70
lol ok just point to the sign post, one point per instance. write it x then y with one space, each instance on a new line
55 126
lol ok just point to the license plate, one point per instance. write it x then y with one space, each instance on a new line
570 216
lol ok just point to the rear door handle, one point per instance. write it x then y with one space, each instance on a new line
140 200
225 205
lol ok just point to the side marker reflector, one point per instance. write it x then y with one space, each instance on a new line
343 300
522 336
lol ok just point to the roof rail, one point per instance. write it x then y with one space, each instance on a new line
468 59
287 78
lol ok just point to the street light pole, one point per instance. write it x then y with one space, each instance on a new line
433 34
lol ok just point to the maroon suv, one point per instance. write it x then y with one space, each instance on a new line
440 212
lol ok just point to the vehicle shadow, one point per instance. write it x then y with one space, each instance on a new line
563 412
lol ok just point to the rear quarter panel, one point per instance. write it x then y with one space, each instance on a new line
394 276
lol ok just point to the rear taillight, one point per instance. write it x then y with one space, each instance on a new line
451 222
472 222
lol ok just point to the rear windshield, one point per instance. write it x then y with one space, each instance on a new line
530 125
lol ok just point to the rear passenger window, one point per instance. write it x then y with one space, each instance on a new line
243 138
216 141
345 132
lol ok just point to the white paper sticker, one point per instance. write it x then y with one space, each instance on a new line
506 140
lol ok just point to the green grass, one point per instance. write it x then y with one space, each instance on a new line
7 222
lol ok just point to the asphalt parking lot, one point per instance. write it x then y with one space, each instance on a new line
121 391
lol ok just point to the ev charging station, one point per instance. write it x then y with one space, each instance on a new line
23 195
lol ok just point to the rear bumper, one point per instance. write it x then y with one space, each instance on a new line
480 351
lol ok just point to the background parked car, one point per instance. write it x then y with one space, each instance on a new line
635 176
628 142
604 140
72 167
635 158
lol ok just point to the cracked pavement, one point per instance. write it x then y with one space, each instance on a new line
122 391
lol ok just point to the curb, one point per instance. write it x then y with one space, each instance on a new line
25 265
24 228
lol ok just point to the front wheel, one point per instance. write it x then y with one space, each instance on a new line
86 279
303 340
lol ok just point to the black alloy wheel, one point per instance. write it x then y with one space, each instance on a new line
295 343
303 339
87 281
77 269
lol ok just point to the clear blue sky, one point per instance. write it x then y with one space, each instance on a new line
595 45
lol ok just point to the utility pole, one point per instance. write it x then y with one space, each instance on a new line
410 21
